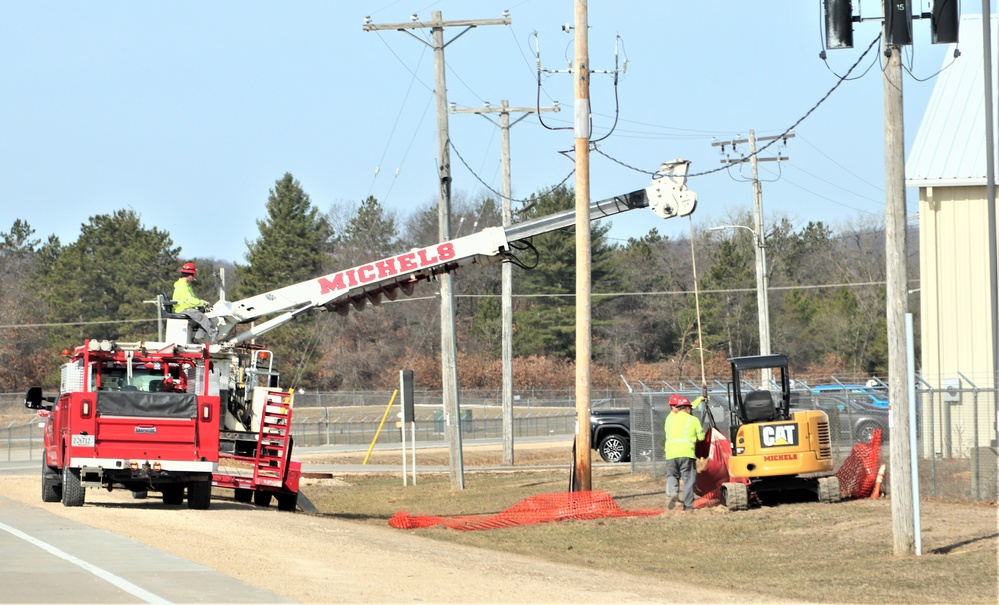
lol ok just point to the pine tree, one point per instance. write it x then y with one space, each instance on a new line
23 361
546 325
294 245
105 276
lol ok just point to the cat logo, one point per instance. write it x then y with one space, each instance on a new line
778 435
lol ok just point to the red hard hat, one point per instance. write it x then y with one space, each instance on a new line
189 269
674 400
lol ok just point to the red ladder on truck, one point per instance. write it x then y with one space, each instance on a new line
275 438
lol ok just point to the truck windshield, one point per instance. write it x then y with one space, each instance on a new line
143 379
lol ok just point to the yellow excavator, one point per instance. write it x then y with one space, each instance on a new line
773 448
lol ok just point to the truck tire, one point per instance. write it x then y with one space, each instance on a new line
829 489
243 495
199 494
140 494
615 448
73 492
50 492
173 494
735 496
262 498
287 502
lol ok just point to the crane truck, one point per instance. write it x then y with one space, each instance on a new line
178 415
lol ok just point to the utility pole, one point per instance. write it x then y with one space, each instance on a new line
896 32
581 129
762 279
507 285
990 189
449 352
896 295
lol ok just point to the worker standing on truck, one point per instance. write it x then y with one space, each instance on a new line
187 303
681 431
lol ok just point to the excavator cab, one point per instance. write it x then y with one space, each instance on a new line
751 405
773 449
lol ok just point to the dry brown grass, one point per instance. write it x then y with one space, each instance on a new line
801 551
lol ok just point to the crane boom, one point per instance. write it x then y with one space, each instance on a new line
355 287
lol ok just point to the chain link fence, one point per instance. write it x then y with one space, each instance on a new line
956 432
956 436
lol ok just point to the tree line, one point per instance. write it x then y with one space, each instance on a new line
826 296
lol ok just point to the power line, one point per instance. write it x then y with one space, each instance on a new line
473 296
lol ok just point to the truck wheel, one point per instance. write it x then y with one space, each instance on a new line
140 494
173 494
262 498
199 494
243 495
51 491
287 502
829 489
735 496
73 492
615 448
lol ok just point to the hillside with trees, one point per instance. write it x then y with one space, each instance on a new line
826 295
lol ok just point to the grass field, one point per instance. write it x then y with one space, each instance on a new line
800 551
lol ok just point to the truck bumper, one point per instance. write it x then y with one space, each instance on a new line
120 464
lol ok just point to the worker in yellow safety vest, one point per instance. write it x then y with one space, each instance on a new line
681 431
186 302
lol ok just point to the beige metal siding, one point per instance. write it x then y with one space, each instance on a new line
954 284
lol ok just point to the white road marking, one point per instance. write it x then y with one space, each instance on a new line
105 575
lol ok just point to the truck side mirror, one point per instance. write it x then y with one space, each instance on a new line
33 399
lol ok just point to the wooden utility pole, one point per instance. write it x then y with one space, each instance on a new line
897 301
581 72
449 352
507 285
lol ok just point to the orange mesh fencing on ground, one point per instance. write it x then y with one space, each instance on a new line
857 477
542 508
859 471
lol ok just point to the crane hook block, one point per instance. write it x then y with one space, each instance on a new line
668 194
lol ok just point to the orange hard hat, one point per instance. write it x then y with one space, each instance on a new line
189 269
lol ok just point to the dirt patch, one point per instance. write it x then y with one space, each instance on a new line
801 552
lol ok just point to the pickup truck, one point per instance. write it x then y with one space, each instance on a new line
610 433
610 428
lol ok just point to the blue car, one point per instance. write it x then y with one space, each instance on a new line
860 394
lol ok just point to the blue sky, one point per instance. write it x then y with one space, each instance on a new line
188 112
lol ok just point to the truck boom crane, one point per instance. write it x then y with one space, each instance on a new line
179 416
667 196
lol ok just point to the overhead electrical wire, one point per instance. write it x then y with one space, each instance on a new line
552 295
787 131
484 184
842 167
395 124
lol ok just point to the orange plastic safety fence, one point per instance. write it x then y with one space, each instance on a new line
859 471
542 508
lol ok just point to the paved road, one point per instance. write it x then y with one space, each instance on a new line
45 558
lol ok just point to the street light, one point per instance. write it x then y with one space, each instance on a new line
761 291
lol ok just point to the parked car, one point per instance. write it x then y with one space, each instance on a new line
864 395
610 433
854 421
